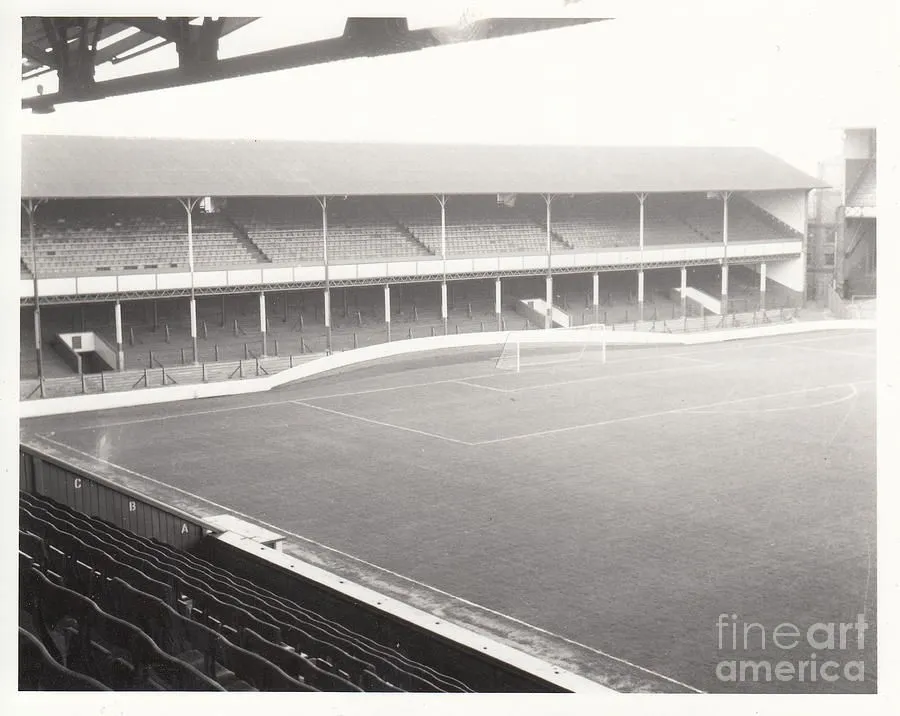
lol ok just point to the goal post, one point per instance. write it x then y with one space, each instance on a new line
563 345
511 355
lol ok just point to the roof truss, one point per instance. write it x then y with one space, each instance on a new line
71 47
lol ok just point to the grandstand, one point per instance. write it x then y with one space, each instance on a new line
296 256
296 221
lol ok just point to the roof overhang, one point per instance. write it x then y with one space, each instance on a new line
94 167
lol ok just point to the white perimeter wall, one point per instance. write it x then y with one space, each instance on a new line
150 396
791 274
791 208
788 206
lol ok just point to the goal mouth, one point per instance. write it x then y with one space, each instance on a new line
536 348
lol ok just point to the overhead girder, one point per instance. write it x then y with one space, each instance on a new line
198 50
73 46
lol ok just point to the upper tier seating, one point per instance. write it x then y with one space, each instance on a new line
614 222
746 222
290 230
132 613
863 193
119 236
76 238
475 226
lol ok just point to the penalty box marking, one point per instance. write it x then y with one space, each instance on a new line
850 395
372 565
381 423
286 401
660 413
708 365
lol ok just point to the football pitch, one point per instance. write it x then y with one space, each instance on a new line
599 515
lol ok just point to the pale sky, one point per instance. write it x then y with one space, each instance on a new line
771 74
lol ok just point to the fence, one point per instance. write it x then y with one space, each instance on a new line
112 381
215 371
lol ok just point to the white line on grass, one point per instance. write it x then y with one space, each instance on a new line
616 376
230 408
852 393
730 347
484 387
381 424
831 351
385 570
646 416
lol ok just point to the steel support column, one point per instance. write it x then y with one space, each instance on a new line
548 319
189 204
641 199
387 310
323 202
120 352
31 206
762 286
726 195
498 305
442 200
262 321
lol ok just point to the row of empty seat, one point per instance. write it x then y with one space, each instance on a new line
290 231
472 226
613 221
101 607
73 238
88 238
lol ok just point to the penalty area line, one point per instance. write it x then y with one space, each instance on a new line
382 424
674 411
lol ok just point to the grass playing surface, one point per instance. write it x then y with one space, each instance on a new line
615 508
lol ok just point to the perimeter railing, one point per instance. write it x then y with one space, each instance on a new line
212 371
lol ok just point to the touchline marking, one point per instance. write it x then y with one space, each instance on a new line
381 424
674 411
372 565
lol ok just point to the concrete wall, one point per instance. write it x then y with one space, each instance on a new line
790 274
787 206
859 143
149 396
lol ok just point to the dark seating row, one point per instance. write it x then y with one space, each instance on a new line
83 638
167 593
